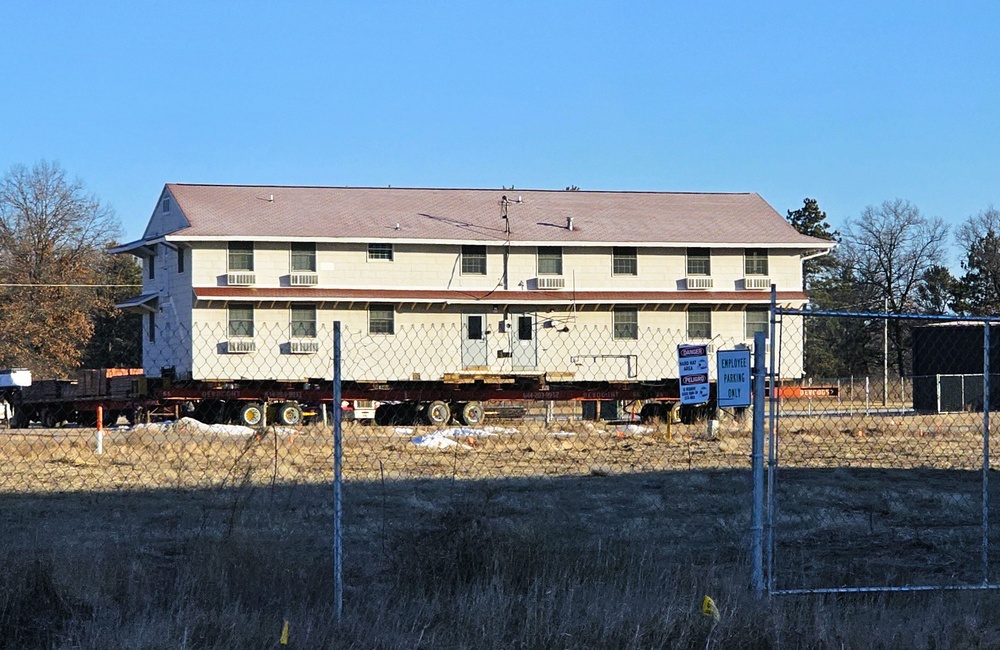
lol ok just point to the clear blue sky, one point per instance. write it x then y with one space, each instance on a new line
849 103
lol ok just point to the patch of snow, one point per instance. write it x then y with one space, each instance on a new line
436 441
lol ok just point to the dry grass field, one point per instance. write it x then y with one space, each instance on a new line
577 535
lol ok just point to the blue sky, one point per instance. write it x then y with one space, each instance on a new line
848 103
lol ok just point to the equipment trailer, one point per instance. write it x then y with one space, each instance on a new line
467 399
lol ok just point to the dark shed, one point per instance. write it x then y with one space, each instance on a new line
948 367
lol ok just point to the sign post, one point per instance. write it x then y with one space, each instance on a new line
692 363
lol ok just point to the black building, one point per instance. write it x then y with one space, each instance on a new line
948 367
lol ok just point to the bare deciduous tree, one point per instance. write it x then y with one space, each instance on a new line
889 249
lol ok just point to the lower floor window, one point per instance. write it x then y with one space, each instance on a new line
699 324
304 322
381 319
626 323
756 321
240 320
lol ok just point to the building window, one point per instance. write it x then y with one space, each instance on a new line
699 261
304 257
166 204
473 260
626 323
304 321
180 260
381 319
152 327
240 256
755 261
550 260
151 266
699 325
525 328
756 320
624 260
240 320
380 252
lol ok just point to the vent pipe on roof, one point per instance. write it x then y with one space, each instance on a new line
270 198
569 223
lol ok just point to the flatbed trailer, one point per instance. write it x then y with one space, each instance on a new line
117 393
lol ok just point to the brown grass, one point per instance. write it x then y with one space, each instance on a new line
601 539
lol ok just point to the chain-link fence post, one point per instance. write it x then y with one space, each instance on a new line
986 452
757 464
338 578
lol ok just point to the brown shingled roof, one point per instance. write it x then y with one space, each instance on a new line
474 215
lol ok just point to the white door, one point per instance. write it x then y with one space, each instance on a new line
523 342
475 353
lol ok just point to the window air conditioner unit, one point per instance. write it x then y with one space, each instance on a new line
757 283
699 282
550 283
303 279
304 347
240 346
240 279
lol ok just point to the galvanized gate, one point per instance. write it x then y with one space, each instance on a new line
873 488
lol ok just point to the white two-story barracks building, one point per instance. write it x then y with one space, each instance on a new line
246 282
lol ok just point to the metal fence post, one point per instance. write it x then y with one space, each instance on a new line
757 466
986 452
772 452
338 572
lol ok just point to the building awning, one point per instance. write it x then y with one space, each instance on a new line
140 304
139 248
527 297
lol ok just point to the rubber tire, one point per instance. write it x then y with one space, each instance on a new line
437 413
290 414
251 414
472 414
50 418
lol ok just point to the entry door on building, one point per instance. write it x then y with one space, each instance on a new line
475 352
523 342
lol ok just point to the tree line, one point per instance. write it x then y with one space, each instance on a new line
891 258
58 284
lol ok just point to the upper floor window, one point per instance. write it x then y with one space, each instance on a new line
474 260
624 260
151 266
303 321
180 260
626 323
550 260
381 319
380 252
755 261
166 204
755 320
152 327
304 257
699 323
240 319
241 256
699 261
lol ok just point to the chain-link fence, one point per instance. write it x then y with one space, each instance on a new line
420 402
226 436
883 483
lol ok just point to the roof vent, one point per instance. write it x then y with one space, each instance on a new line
569 223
